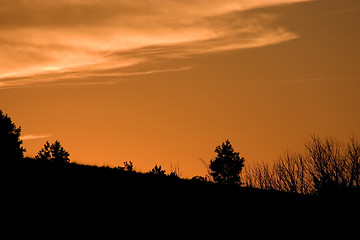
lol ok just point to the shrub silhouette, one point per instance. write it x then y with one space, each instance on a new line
290 173
10 142
128 166
54 153
198 179
334 166
328 166
227 165
157 171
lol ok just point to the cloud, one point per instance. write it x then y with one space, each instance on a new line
313 80
75 37
340 12
80 78
32 137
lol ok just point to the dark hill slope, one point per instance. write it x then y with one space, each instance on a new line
43 185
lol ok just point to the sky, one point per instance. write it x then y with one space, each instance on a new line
166 81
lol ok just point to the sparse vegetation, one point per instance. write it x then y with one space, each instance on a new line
157 171
327 167
128 166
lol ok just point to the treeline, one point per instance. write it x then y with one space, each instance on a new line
11 150
326 166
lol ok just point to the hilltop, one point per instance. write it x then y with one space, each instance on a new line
37 178
76 192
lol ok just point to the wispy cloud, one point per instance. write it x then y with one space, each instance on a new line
80 78
342 11
299 81
32 136
73 39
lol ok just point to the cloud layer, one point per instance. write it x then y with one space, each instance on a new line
32 137
44 41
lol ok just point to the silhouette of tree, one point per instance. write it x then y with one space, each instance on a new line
128 166
353 159
157 170
227 165
260 175
208 176
54 153
10 142
333 166
291 174
175 171
328 166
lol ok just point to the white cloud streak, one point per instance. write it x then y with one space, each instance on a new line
32 137
80 78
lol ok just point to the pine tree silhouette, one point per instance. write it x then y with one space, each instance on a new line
54 153
227 165
10 142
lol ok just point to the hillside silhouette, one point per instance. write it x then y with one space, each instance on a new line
51 182
36 187
38 178
77 180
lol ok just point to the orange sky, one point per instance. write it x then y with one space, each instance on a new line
166 81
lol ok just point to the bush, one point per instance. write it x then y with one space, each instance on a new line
54 153
327 166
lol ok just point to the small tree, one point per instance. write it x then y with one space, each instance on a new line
128 166
291 174
260 175
10 142
333 165
353 159
54 153
328 164
157 171
227 165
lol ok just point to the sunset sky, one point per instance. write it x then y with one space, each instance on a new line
166 81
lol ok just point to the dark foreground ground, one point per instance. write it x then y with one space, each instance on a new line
38 188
